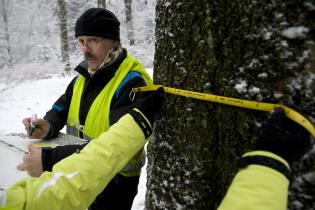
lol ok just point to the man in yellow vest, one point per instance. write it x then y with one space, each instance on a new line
261 183
93 102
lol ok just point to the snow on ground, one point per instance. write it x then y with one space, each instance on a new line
18 101
8 162
22 100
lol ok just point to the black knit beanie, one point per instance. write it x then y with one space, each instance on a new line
98 22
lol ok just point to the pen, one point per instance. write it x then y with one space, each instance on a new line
32 128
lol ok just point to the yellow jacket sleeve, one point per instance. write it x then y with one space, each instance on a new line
257 187
75 181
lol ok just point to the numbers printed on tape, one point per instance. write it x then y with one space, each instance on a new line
42 145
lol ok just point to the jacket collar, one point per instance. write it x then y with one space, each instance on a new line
82 68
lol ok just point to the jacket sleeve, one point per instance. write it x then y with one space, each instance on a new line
52 156
75 181
121 105
258 187
57 115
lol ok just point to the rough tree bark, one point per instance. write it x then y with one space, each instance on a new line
62 15
101 3
218 47
128 12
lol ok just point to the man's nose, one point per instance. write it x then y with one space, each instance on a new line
85 49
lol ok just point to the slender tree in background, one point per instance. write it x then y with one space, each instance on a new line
5 51
101 3
62 14
129 22
74 10
253 50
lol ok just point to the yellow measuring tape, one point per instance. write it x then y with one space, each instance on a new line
41 145
261 106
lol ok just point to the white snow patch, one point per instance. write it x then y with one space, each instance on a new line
241 86
179 206
298 205
286 54
277 95
187 181
207 85
309 5
254 62
170 34
292 65
267 35
295 32
3 87
167 4
165 144
284 43
262 75
278 15
306 54
258 124
309 177
253 91
310 80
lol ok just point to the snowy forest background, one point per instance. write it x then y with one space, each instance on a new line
31 63
30 34
32 74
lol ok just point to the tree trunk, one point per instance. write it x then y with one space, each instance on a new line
62 14
6 48
129 22
101 3
244 49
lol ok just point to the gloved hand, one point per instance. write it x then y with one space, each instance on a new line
284 137
149 104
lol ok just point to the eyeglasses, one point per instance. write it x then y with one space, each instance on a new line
90 43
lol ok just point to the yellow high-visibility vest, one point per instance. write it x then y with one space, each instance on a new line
97 120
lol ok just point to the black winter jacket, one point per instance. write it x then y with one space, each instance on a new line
57 116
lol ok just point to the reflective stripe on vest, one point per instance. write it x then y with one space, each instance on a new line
74 131
97 119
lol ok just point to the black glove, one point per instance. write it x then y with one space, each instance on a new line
149 103
284 137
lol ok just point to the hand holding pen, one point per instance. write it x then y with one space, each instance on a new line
36 128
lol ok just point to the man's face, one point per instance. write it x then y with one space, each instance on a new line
95 49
